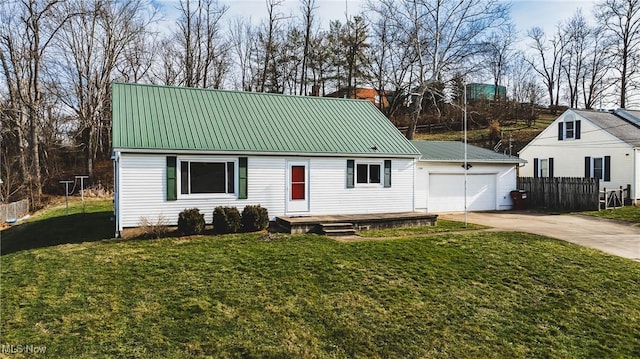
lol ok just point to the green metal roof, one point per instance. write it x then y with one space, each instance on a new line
448 151
149 117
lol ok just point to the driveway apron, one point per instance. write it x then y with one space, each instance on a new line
613 237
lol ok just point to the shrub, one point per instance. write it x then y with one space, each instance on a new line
254 218
190 221
494 130
153 229
226 220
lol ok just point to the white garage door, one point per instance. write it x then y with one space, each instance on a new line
446 192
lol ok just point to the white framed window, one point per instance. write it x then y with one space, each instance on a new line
368 173
205 178
569 129
597 167
544 167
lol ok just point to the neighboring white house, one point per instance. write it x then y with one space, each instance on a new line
440 178
177 148
592 144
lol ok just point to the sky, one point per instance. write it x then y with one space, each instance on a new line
525 13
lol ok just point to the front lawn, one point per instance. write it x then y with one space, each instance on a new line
627 213
458 295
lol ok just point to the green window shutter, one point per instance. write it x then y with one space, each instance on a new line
607 168
350 173
387 173
172 192
242 178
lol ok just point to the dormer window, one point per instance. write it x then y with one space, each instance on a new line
569 129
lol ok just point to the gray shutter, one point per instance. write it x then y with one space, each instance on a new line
350 173
550 167
577 130
607 168
560 131
536 167
387 173
587 167
172 189
242 178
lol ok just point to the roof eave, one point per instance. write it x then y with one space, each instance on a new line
263 153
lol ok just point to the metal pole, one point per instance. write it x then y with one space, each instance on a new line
82 190
66 193
465 156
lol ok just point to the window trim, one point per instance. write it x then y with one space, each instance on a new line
538 168
563 130
590 169
380 182
225 160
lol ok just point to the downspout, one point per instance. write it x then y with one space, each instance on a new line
636 158
116 192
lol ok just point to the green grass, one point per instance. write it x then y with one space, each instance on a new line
52 226
442 226
628 213
458 295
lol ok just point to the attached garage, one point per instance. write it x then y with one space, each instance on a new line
440 178
446 192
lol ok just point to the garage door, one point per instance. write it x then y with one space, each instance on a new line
446 192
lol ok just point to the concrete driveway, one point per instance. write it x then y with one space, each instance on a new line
614 237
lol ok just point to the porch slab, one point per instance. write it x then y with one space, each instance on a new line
312 224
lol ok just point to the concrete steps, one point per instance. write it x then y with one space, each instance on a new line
337 229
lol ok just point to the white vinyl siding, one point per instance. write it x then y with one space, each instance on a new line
569 155
142 189
329 194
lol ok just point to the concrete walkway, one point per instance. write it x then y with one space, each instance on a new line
613 237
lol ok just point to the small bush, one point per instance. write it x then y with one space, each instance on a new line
254 218
153 229
494 130
226 220
190 221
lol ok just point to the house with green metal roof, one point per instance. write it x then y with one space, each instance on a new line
177 148
441 176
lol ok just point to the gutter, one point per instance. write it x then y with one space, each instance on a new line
264 153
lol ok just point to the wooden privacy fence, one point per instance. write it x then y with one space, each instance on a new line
13 210
561 193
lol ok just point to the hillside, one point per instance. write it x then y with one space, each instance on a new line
520 133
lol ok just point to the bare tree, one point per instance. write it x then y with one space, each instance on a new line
621 20
242 37
269 42
27 31
577 38
548 62
446 38
203 52
522 81
499 54
308 8
597 64
91 46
